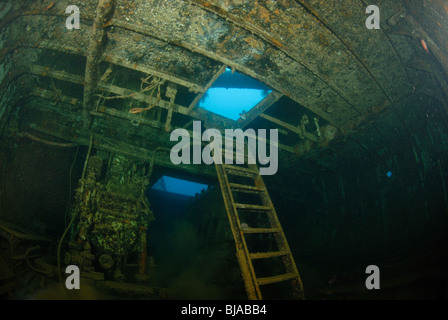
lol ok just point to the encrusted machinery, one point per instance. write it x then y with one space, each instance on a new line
108 238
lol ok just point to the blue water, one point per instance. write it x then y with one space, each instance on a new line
231 102
233 94
178 186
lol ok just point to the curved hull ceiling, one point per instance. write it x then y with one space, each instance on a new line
318 54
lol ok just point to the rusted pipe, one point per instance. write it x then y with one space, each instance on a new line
56 144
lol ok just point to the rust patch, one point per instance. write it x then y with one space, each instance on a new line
446 8
323 41
292 28
263 13
107 24
276 42
50 6
27 13
254 43
138 37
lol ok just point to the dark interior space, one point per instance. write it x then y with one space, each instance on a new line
356 133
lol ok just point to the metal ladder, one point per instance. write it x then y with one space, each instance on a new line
241 230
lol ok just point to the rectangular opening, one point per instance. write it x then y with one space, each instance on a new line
233 94
179 186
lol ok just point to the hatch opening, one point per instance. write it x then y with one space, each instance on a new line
179 186
233 94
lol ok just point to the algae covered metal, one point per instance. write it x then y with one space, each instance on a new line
113 216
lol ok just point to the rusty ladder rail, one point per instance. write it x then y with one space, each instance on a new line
245 258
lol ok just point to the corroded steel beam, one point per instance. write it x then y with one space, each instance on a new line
298 130
200 114
161 159
261 107
95 49
126 116
52 96
209 84
56 74
109 112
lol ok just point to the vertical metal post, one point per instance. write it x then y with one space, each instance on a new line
103 13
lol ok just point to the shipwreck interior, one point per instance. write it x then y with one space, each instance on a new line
86 122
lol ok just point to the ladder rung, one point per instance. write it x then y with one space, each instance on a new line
233 209
261 230
265 255
279 278
245 188
239 171
252 207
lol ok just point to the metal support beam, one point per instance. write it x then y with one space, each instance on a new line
261 107
103 12
126 116
169 117
48 95
209 84
100 143
199 114
157 73
300 131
